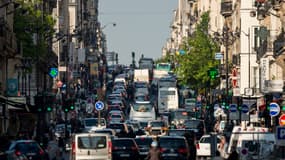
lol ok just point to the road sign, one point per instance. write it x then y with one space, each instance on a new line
280 136
282 120
274 109
99 105
244 108
233 107
218 56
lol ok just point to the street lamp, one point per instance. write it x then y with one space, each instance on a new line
226 38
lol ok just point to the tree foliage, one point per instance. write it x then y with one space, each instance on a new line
33 27
199 58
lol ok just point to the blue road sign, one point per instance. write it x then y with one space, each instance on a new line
99 105
274 109
233 107
280 133
244 108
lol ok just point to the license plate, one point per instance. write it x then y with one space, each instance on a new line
124 155
171 154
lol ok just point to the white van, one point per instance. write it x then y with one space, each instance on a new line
97 146
253 142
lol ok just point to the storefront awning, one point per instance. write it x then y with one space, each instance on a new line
14 103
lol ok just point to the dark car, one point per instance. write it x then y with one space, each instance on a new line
196 125
124 148
174 148
121 129
30 148
144 145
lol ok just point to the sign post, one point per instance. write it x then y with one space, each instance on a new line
99 105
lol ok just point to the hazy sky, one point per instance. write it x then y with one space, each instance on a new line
143 26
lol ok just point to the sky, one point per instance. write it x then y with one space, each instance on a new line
142 26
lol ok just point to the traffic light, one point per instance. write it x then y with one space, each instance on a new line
49 103
213 73
71 104
65 106
39 103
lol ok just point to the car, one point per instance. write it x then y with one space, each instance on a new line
197 125
116 118
143 143
109 131
157 127
60 130
203 146
90 145
125 149
173 147
29 148
121 129
91 124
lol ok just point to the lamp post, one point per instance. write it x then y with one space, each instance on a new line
226 38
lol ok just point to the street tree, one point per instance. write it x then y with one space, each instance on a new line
200 50
33 28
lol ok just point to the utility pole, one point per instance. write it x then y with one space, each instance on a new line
133 61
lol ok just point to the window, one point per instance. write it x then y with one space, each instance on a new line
93 142
142 107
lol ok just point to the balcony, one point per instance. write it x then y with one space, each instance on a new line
226 8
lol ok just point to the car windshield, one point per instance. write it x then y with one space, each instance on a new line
104 131
142 141
193 124
142 107
116 116
27 147
172 143
180 115
93 122
116 126
157 124
176 132
91 142
123 142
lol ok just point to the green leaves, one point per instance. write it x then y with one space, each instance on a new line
200 49
33 26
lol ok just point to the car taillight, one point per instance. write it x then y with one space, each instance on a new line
109 148
73 148
182 150
162 149
197 146
41 152
18 153
134 148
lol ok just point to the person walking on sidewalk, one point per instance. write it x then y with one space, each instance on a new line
154 152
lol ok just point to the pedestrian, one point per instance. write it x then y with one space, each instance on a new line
190 138
233 155
154 152
223 147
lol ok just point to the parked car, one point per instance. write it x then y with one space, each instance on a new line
125 149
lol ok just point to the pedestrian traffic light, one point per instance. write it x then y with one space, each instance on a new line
71 104
65 106
212 73
39 103
49 103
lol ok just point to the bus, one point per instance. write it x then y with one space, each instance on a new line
163 66
167 99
